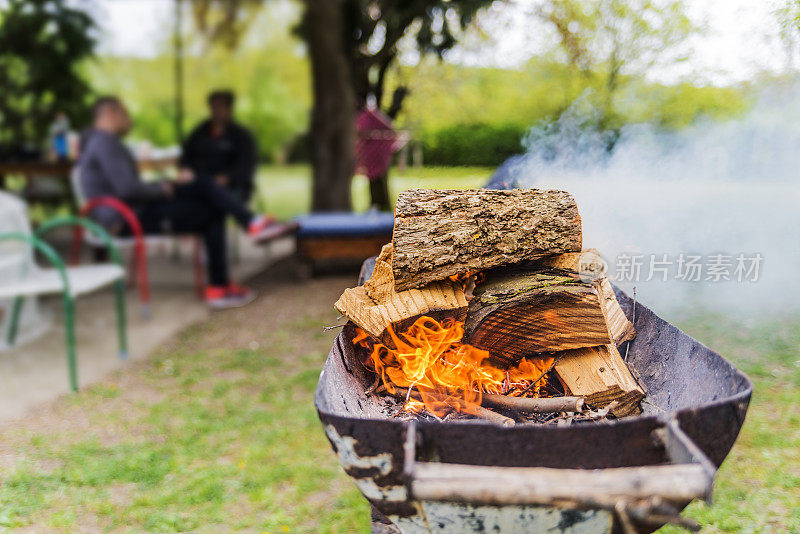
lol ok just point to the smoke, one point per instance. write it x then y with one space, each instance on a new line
717 188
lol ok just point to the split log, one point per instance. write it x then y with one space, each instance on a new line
521 314
591 267
600 376
376 305
534 404
440 233
619 327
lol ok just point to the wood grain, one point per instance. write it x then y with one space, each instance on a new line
619 327
520 314
599 375
376 305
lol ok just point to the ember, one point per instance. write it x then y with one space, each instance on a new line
448 375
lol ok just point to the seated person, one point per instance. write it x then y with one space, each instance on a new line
193 203
222 148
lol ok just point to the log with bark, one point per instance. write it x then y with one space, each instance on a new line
441 233
478 411
600 376
534 404
376 305
517 314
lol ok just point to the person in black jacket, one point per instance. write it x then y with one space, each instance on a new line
191 203
222 148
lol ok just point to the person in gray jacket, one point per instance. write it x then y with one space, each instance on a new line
190 204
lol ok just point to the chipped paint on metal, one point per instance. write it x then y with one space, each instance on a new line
457 518
381 493
345 448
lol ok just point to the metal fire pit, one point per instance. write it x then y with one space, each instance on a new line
475 476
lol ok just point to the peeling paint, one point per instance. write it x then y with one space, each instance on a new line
456 518
381 493
345 447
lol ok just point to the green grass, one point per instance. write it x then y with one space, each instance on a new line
285 191
217 432
758 487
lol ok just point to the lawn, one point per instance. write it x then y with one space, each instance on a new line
286 191
217 431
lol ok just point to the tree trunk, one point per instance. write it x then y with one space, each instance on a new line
379 192
333 116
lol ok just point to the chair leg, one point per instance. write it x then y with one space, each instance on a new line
16 310
69 327
121 326
140 253
199 274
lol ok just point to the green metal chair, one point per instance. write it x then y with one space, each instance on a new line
23 278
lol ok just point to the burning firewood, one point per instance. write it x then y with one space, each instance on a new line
599 375
376 306
516 314
477 410
534 404
440 233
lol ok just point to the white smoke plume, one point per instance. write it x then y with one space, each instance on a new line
725 188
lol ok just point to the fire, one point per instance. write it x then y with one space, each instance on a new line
442 373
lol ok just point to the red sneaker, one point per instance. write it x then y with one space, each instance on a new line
235 290
232 296
259 224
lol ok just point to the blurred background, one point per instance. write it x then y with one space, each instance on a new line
675 123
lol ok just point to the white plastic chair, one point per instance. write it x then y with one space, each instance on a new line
22 277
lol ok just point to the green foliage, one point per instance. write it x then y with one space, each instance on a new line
472 144
271 87
267 71
618 40
42 42
478 116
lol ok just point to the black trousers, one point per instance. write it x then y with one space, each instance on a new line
199 207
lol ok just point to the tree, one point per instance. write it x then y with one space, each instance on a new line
351 45
788 16
608 40
42 43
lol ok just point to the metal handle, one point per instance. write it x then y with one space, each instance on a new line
650 493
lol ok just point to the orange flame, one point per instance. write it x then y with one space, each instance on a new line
445 374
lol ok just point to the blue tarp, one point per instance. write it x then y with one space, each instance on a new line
340 224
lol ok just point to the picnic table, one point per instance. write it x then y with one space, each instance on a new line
48 181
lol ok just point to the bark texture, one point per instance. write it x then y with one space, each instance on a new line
520 314
439 233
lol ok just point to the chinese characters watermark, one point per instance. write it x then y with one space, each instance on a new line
689 267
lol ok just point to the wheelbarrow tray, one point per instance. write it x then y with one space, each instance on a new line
687 383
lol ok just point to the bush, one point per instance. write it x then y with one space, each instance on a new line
472 144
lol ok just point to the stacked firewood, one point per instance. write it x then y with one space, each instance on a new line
510 266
